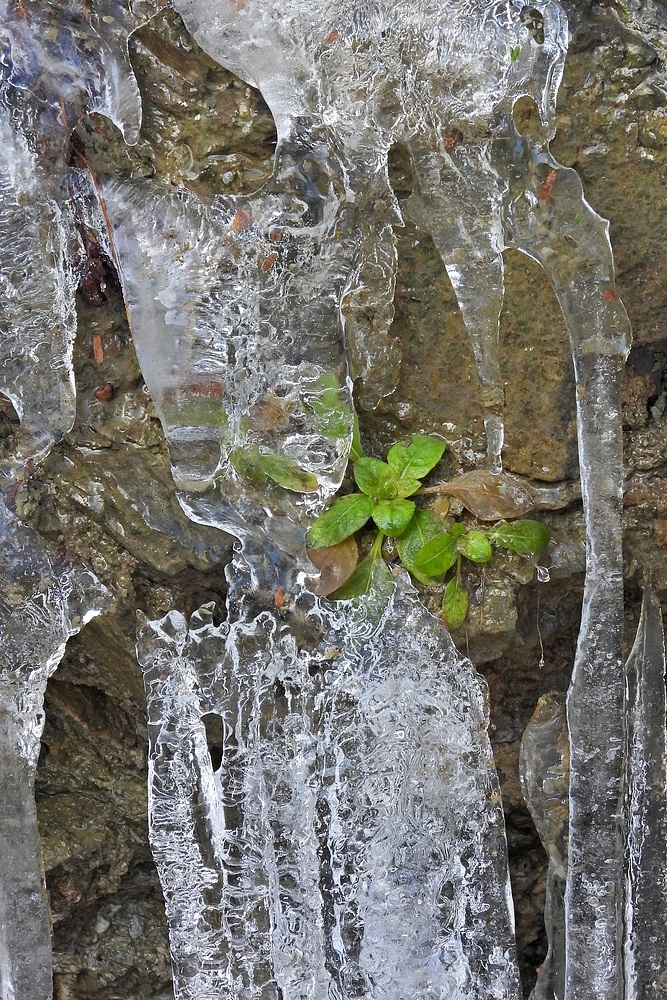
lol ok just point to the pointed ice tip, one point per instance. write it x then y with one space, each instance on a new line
495 438
496 466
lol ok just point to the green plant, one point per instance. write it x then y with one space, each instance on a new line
425 546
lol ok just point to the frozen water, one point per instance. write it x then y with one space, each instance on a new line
37 319
440 78
63 60
545 773
41 606
351 842
57 63
235 316
577 258
445 85
251 317
646 809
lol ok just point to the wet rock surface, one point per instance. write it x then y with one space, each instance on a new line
105 494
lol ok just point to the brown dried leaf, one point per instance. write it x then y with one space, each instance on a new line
336 565
490 497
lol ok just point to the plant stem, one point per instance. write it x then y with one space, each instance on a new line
376 547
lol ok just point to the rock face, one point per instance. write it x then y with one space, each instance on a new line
105 495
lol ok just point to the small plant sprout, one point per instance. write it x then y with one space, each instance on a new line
432 553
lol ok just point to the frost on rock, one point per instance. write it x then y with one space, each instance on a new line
351 842
41 606
646 809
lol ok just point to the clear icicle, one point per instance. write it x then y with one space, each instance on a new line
645 942
37 318
545 772
548 218
469 241
58 64
237 326
61 61
351 842
40 608
439 80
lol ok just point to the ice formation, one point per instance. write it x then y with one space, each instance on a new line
645 943
351 841
41 606
545 774
43 94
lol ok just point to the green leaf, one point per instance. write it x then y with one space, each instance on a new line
376 479
393 516
422 528
252 464
455 604
418 458
356 451
476 547
526 537
247 462
345 516
436 557
514 53
288 474
329 407
372 573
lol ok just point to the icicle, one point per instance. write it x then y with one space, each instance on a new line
236 322
468 239
61 62
58 64
349 67
645 945
545 772
351 841
548 218
40 608
37 317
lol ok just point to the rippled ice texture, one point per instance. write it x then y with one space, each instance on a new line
351 842
244 313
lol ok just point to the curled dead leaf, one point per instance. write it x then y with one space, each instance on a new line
503 497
